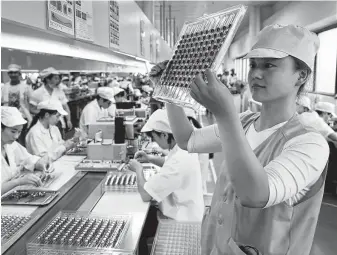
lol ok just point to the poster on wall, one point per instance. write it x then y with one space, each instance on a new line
114 24
61 16
83 20
142 36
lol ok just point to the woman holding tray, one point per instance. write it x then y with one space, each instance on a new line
44 137
268 195
14 156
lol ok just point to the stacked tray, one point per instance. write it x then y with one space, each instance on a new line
100 165
77 151
80 233
202 44
28 197
177 238
11 225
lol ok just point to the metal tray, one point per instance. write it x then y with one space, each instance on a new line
14 197
76 233
77 151
177 238
11 225
46 182
99 165
202 44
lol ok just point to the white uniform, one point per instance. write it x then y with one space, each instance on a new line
41 141
18 158
178 187
312 119
92 112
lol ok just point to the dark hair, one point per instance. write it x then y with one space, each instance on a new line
300 65
40 115
120 94
169 139
3 126
50 76
104 100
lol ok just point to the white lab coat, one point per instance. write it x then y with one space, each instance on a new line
177 187
18 158
41 141
92 112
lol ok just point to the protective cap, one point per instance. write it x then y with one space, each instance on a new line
325 107
65 78
277 41
138 93
14 68
11 116
147 88
117 90
106 93
304 101
48 71
158 121
52 104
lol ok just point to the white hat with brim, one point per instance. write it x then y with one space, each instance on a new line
14 68
106 93
278 41
158 121
11 116
190 113
48 71
117 90
326 107
54 105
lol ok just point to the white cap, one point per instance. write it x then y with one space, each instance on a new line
48 71
325 107
158 121
278 41
106 93
52 104
147 88
117 90
137 93
34 77
14 68
190 113
304 101
11 116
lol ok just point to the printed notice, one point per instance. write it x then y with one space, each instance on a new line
61 16
83 20
114 24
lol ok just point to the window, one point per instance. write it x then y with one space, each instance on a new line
242 69
326 63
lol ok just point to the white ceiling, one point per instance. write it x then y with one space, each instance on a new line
189 10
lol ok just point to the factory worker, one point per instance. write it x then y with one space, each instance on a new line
119 94
102 106
313 119
177 187
50 90
271 176
14 156
325 110
43 136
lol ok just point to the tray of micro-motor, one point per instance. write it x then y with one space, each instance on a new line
28 197
202 44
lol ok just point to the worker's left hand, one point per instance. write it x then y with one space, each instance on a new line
214 95
134 165
69 124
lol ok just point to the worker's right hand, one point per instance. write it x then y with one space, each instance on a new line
142 156
157 71
69 144
30 179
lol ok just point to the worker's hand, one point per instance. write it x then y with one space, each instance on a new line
135 166
43 163
78 133
142 156
69 144
214 95
157 71
30 179
69 124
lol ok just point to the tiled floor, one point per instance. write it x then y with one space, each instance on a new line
325 242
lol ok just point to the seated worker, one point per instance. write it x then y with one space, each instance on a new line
119 94
50 90
102 106
318 119
43 136
177 187
14 156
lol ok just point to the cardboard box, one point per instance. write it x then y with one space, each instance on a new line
106 150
